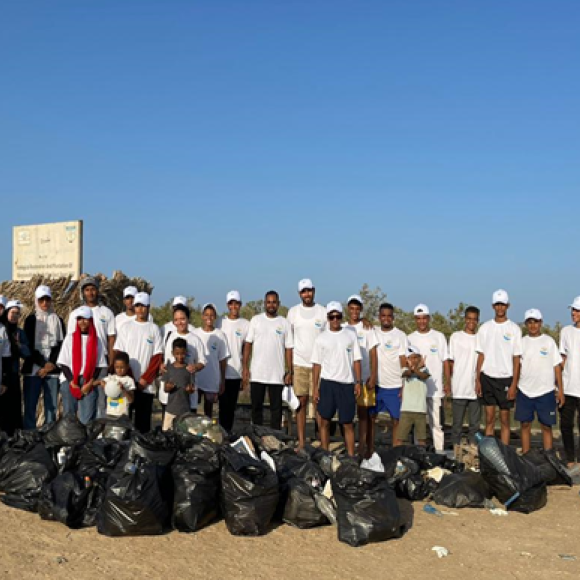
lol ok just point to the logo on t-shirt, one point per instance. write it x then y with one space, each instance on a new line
238 333
361 336
508 336
544 351
103 320
349 349
318 323
213 346
389 344
433 348
150 340
279 330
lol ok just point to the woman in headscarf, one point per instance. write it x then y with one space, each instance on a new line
11 402
82 361
45 331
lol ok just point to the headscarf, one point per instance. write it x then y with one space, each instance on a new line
12 328
48 326
77 356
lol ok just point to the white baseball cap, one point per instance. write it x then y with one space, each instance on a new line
142 298
82 312
533 313
576 304
2 300
210 304
355 298
333 306
500 297
12 304
233 295
421 309
42 291
305 284
130 291
180 301
411 349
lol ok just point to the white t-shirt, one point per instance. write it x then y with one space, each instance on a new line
216 349
392 345
307 323
570 348
433 347
464 356
141 341
367 340
499 343
170 327
123 317
336 352
236 332
65 355
270 337
104 321
119 406
539 357
195 354
5 350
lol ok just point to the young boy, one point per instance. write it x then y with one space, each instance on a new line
540 369
178 383
414 406
119 406
570 351
499 347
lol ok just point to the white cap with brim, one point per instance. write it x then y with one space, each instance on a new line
334 306
533 314
13 304
411 349
305 284
233 295
576 304
355 298
180 301
142 298
500 297
209 305
130 291
82 312
42 292
421 309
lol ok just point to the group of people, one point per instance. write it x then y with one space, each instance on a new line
332 357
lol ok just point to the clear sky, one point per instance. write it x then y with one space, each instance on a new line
428 147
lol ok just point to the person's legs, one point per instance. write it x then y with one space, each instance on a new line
418 421
227 403
434 418
504 417
101 405
526 435
567 415
50 394
474 418
167 422
257 394
88 406
490 421
459 408
547 437
363 428
302 389
405 425
31 396
69 403
349 438
143 406
324 426
275 397
11 406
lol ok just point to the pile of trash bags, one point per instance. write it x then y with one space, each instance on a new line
126 483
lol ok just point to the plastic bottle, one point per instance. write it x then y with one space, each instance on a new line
429 509
489 449
214 433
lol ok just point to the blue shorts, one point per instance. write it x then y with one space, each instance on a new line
388 400
544 406
335 397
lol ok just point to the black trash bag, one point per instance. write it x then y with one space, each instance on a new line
522 477
134 504
249 493
196 480
459 490
119 428
302 509
323 458
29 472
552 468
155 447
415 487
400 470
99 456
367 508
66 432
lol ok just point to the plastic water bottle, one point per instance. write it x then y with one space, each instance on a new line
489 449
130 468
429 509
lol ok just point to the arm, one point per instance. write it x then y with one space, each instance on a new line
110 344
151 373
67 372
223 366
289 372
447 377
373 358
560 394
357 376
315 383
246 363
480 359
513 390
422 374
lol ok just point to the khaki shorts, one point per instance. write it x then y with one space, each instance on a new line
409 420
302 382
168 421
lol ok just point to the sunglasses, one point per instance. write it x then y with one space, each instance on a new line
45 299
335 317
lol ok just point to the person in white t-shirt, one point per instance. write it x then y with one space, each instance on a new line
129 294
195 354
142 341
391 359
499 347
169 326
433 345
210 382
336 376
308 320
570 351
540 371
269 345
462 367
236 329
367 341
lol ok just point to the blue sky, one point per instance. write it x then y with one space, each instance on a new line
428 147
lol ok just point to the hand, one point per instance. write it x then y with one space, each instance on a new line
142 384
163 369
86 389
287 378
49 367
401 394
246 378
478 390
316 395
222 388
190 389
560 397
169 387
447 389
372 383
3 389
357 390
512 392
41 373
191 368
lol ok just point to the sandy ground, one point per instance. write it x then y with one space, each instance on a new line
481 545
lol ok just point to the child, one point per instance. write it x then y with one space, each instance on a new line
540 369
414 406
178 383
119 406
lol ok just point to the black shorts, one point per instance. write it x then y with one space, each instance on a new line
494 392
336 397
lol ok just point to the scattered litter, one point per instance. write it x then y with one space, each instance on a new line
374 463
437 473
440 551
526 554
327 491
61 560
448 513
567 557
267 459
289 396
498 512
429 509
245 446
